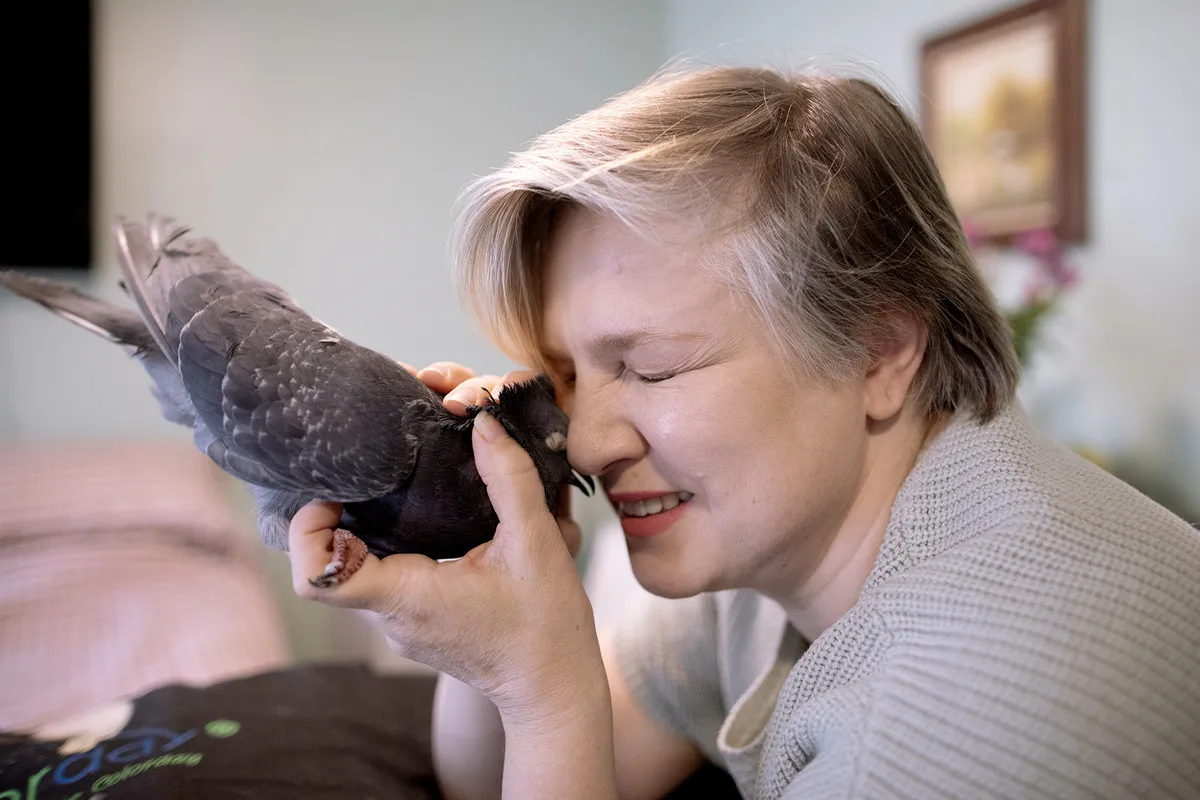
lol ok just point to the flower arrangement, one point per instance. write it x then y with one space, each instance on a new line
1043 275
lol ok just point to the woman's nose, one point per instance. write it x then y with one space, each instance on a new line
601 432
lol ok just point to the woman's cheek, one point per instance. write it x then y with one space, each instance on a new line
664 418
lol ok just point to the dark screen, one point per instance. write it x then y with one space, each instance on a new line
46 134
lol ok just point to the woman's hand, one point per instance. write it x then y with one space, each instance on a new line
460 384
511 617
463 388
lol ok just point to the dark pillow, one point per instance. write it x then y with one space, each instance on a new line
322 731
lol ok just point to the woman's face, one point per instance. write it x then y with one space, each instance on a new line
724 473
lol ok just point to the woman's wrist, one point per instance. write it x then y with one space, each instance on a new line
563 746
571 682
557 705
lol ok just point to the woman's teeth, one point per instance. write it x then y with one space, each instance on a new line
655 505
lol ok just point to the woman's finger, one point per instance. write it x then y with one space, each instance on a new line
479 391
474 392
442 376
514 486
571 535
310 541
310 546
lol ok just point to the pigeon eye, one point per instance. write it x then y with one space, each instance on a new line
557 442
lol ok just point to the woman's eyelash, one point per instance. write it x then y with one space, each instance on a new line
649 378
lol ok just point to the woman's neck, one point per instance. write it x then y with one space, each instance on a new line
834 586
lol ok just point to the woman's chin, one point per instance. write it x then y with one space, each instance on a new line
669 576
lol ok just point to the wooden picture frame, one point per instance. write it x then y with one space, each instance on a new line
1003 110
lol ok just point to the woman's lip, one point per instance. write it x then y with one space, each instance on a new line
633 497
653 524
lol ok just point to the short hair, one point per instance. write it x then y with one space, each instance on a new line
817 191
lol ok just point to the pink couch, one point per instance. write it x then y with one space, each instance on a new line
123 568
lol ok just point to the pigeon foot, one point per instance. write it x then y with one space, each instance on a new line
349 554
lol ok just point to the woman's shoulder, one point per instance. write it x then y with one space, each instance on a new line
1056 540
1004 496
1061 572
1007 538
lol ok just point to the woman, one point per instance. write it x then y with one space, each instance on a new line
876 578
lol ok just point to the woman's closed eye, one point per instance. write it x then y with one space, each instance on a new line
648 377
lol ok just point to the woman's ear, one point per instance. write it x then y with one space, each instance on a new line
895 359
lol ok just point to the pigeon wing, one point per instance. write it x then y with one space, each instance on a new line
294 406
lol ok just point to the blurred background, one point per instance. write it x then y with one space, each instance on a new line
322 144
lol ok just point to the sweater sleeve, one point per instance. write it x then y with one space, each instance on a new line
668 657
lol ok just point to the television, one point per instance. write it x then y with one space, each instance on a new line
46 140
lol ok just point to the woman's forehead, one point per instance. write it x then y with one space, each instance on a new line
617 314
618 319
586 244
607 288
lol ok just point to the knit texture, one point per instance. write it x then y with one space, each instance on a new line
1031 628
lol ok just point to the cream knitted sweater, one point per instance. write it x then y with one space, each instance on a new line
1031 628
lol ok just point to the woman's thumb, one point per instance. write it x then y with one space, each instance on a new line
514 486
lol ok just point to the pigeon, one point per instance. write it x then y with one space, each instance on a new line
295 410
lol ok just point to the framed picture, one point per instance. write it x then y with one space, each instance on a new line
1003 112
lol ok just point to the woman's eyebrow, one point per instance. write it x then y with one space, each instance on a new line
613 343
627 340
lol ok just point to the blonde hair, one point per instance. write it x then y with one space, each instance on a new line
817 191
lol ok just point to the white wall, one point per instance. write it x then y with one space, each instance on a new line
1120 371
321 143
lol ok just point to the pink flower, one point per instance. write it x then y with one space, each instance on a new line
1042 244
1065 275
1039 242
1034 293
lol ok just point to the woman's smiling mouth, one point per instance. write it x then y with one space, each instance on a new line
646 514
652 505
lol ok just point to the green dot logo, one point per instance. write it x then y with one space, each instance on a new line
222 728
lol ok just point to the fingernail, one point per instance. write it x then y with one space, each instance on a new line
487 426
459 396
423 374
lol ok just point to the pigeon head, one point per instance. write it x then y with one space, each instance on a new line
532 418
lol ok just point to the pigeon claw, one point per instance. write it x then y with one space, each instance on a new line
349 554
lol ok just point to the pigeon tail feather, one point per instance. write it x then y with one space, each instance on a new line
120 325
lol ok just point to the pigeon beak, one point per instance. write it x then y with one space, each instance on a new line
584 483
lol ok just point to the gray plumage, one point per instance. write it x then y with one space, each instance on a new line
285 403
